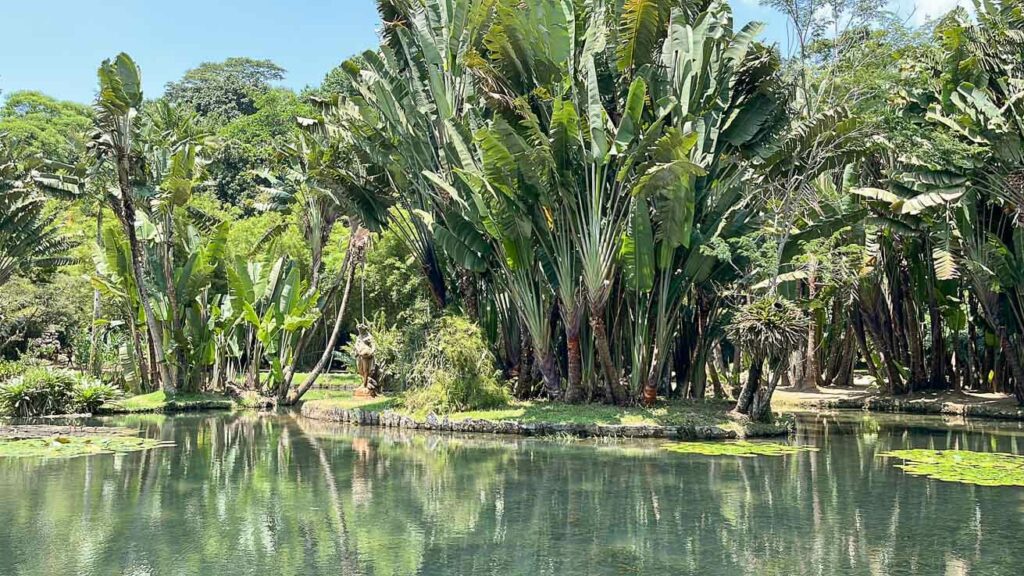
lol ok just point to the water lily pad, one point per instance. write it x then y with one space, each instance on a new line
71 446
740 448
965 467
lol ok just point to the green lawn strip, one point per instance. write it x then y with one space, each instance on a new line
161 402
343 399
694 413
675 413
962 466
72 446
740 448
331 380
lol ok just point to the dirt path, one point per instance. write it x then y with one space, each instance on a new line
978 405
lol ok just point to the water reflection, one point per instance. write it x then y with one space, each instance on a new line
248 494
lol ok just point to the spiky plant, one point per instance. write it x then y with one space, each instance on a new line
769 328
28 239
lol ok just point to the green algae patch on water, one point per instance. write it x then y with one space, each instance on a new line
72 446
962 466
740 448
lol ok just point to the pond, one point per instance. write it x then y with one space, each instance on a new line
246 494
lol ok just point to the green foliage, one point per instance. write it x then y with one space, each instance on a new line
10 369
963 466
224 90
39 391
771 326
29 238
389 283
35 390
90 395
741 449
454 371
72 446
52 128
160 401
59 306
251 144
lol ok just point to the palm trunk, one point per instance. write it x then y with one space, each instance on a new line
356 252
1012 354
761 408
95 362
604 353
127 216
549 372
172 295
812 361
746 398
574 391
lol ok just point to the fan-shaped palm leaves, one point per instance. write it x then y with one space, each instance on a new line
29 240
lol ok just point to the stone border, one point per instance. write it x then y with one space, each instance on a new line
913 406
390 419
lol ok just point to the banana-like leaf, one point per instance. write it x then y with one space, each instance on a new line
637 251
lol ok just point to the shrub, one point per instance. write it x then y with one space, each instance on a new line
91 394
10 369
397 350
38 392
41 391
454 370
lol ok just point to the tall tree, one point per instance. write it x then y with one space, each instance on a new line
224 90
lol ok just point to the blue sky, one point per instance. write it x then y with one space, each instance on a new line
55 45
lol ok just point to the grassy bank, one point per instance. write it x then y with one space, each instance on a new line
710 416
160 402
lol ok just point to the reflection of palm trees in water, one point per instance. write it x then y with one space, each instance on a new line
386 502
345 550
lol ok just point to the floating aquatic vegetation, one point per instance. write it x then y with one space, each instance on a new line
965 467
739 448
71 446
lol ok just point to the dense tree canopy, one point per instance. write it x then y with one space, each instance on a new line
224 90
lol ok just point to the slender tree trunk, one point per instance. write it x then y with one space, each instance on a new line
862 344
347 271
746 398
524 382
761 408
167 266
95 361
435 279
357 249
812 362
127 217
937 378
574 391
1012 354
716 382
718 368
604 354
140 356
470 301
737 367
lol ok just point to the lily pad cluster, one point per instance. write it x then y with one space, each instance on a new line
965 467
71 446
740 448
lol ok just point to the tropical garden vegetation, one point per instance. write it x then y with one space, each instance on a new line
588 201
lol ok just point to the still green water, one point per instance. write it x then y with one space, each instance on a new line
244 494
